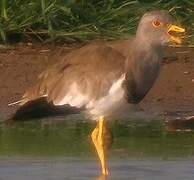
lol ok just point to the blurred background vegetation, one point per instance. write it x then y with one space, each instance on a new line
83 20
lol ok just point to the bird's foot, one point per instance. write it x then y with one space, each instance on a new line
98 140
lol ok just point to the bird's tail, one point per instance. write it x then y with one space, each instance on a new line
40 108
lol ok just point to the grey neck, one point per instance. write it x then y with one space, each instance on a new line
143 53
142 68
146 44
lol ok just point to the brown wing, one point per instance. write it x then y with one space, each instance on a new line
92 68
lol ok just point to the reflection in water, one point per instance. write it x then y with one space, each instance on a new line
140 150
102 177
132 139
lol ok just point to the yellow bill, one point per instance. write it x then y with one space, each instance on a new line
173 38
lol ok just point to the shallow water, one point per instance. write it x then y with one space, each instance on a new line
62 150
82 169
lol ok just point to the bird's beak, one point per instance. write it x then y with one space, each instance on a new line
175 29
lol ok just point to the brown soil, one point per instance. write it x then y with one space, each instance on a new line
20 65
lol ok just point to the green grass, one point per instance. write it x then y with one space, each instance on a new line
82 20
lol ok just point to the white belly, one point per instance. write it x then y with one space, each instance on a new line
108 105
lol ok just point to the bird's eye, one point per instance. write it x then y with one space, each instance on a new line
156 23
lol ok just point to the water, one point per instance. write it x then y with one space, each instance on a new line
82 169
62 150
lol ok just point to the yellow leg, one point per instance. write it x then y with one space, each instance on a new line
98 140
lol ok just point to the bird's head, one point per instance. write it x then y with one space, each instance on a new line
158 28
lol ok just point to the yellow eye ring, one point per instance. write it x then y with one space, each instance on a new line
156 23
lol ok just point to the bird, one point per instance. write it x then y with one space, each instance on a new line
102 79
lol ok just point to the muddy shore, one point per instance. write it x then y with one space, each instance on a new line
20 65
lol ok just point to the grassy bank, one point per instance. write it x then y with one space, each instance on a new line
82 20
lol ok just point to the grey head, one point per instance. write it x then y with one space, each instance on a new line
157 28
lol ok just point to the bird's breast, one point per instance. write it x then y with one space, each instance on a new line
111 102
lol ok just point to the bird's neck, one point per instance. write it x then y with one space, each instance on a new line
144 48
142 67
144 44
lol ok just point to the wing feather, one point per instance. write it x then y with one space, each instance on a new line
83 75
